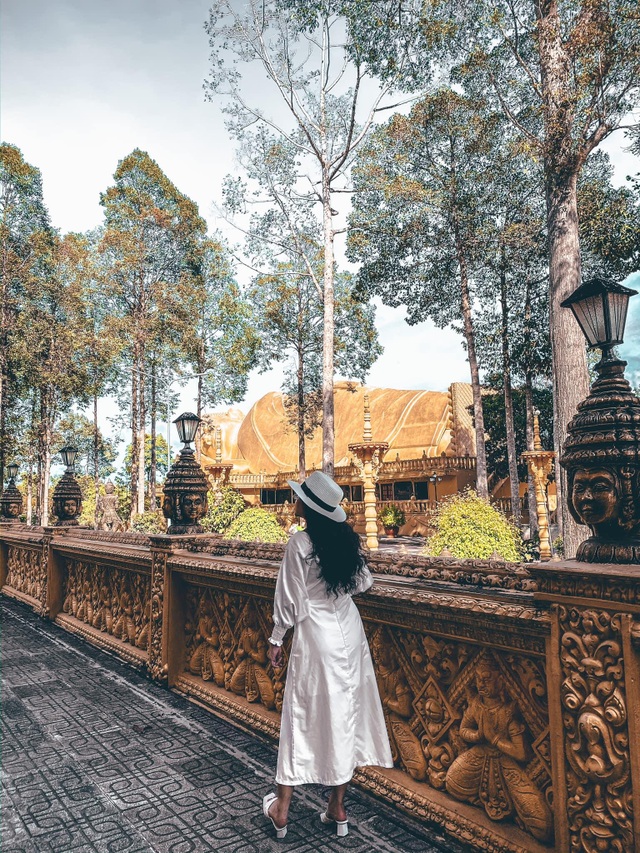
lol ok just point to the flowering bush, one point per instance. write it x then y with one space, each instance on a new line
470 528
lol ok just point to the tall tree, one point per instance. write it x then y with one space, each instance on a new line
318 69
424 192
289 318
78 430
567 75
149 244
25 243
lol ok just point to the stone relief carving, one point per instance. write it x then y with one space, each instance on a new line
110 600
490 772
596 732
25 572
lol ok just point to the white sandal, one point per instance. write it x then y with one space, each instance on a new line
267 802
342 826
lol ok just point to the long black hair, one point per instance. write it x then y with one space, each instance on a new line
337 550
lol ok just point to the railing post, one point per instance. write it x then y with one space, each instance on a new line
593 674
161 548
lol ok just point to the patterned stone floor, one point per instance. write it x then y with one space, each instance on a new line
97 759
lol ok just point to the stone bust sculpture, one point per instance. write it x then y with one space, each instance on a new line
602 459
185 495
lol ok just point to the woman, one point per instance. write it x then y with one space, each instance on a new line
332 719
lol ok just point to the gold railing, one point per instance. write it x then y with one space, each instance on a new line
509 690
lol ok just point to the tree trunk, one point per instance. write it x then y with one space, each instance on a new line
134 435
514 479
328 433
561 167
96 444
153 502
302 459
142 422
570 375
29 494
469 335
44 457
2 427
531 493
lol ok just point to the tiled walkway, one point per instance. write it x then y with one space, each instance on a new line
97 759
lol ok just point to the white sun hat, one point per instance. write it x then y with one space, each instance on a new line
322 494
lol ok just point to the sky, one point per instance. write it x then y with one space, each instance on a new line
84 82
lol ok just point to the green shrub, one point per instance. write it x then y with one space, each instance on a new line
224 508
256 525
392 516
470 528
149 522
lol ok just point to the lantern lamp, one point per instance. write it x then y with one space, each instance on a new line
12 470
187 425
600 307
68 454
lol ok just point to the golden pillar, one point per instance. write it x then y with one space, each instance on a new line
540 463
368 458
219 472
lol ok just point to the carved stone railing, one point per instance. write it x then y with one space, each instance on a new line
510 691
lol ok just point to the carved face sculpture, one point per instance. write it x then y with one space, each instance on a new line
595 496
192 507
488 681
69 508
167 507
109 488
14 509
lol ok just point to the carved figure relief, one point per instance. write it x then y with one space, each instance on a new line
25 572
396 698
596 733
110 600
226 643
205 661
490 773
250 677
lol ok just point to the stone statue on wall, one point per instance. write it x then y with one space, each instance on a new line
107 517
490 773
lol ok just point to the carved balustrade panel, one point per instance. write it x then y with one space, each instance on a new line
466 720
27 574
108 601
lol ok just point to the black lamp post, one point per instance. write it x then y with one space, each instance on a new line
602 450
11 499
435 479
186 487
600 307
67 495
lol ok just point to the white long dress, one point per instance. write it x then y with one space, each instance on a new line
332 718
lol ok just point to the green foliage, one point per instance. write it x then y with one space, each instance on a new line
149 522
161 457
88 486
392 516
256 525
223 510
78 430
470 528
495 427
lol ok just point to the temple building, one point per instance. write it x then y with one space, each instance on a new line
430 436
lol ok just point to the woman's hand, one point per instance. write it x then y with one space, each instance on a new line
276 657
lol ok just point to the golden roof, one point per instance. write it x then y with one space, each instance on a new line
411 422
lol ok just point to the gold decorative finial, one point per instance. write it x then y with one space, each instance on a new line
366 435
537 442
218 444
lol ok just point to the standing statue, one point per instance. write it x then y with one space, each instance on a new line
107 517
490 773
